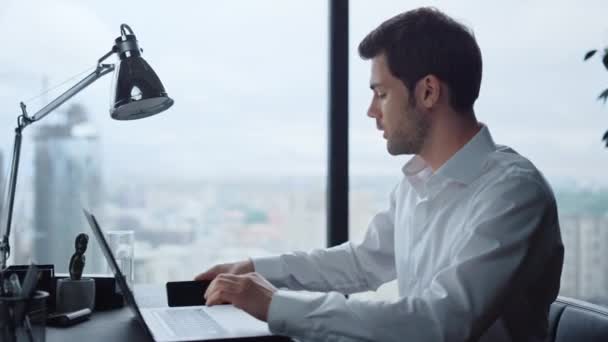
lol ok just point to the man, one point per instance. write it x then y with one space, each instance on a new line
471 233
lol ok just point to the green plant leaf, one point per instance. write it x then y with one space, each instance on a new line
589 54
603 96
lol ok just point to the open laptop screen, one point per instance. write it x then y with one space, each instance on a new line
120 279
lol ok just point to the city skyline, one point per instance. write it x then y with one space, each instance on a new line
180 231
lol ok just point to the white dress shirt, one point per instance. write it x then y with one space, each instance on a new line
475 247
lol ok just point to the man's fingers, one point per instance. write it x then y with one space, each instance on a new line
209 274
233 268
215 299
223 282
230 277
221 296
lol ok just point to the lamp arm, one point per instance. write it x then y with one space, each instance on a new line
23 121
101 70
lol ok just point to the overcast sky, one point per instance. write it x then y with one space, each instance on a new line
249 80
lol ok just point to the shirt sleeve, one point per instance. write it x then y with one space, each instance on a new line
509 223
347 268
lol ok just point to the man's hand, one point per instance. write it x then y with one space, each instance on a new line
242 267
249 292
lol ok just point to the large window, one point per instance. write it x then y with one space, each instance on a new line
537 96
236 168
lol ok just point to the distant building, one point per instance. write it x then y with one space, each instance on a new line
585 272
571 271
67 177
593 251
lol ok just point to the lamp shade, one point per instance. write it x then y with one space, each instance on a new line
138 92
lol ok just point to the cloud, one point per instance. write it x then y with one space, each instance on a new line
51 37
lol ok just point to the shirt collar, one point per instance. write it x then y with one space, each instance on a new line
465 165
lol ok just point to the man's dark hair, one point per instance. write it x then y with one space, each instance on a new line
426 41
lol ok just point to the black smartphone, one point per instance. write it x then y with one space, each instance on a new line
66 319
186 293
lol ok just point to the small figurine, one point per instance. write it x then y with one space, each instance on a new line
78 259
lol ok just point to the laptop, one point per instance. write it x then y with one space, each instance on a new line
191 323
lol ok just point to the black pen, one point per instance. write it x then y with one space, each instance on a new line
27 290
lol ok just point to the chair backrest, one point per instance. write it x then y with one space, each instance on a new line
576 320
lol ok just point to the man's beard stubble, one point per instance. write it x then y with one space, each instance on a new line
411 138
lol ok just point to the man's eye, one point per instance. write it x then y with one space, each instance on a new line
381 95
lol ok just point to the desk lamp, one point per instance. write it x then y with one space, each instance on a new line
138 93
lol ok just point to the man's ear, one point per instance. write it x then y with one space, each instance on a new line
428 91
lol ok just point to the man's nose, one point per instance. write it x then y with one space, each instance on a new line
373 112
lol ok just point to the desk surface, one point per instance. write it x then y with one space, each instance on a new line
114 325
118 325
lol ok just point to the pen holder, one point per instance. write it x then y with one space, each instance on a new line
16 326
46 281
75 295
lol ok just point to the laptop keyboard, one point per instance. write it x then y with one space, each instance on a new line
189 322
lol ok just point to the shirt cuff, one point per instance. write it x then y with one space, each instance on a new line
288 310
271 268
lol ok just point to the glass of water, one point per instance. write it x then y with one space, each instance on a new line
122 244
